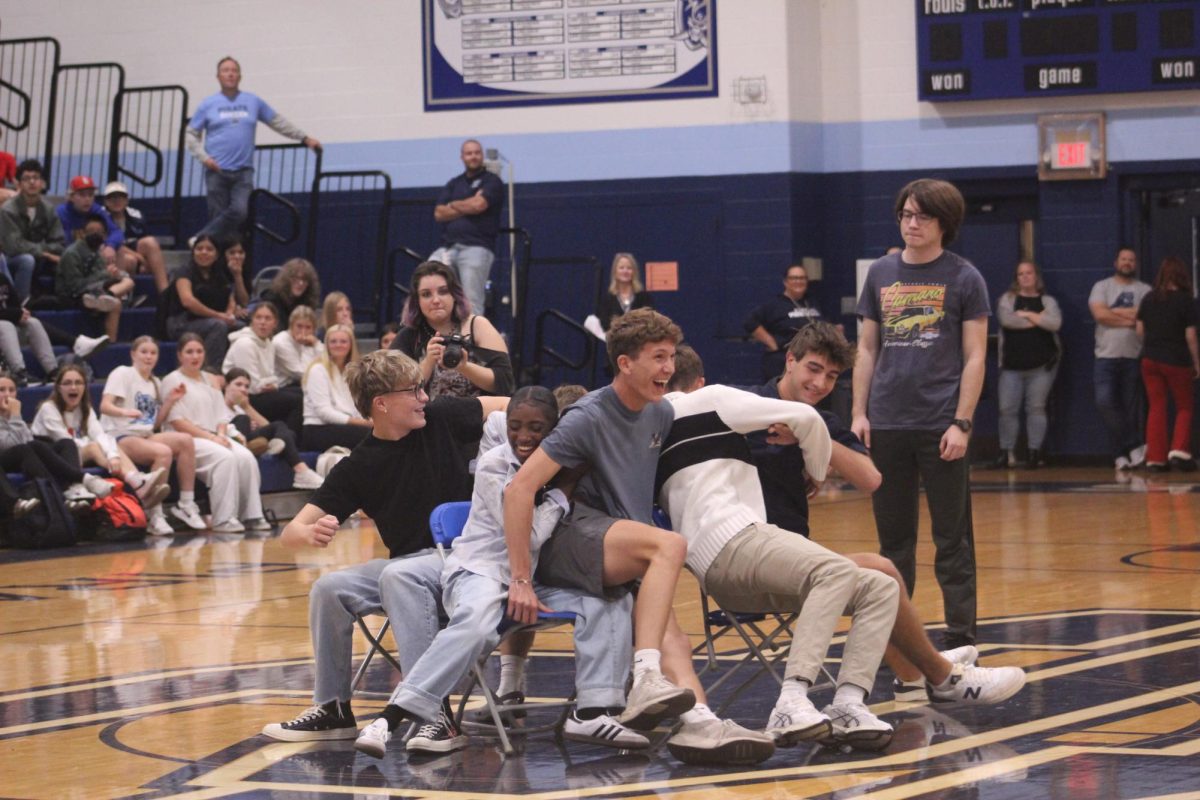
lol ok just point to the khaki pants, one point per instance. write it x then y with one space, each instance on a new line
765 568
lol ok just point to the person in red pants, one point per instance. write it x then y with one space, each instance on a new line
1166 323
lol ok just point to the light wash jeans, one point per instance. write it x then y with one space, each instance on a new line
476 604
228 202
473 265
334 601
1033 387
10 345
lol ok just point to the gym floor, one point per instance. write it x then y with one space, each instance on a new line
147 670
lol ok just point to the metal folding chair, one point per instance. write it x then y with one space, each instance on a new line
375 640
446 523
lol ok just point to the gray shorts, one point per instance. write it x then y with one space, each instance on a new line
573 556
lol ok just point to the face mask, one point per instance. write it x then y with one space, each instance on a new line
94 240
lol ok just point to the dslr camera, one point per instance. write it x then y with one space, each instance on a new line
455 345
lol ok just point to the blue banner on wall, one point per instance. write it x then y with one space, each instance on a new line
497 53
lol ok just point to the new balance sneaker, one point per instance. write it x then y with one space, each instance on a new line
855 725
97 485
189 514
276 446
333 720
795 720
374 738
228 526
307 479
909 691
147 482
101 302
984 685
85 346
652 699
720 742
966 655
440 736
77 492
603 730
157 525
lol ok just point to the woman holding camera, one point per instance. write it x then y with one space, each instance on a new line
330 417
460 354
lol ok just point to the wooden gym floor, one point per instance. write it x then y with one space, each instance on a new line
147 670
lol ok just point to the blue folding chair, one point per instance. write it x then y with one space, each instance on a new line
446 523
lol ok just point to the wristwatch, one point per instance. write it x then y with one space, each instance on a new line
963 425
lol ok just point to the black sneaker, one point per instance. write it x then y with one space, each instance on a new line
437 737
333 720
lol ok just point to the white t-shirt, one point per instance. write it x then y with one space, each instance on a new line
202 404
130 390
327 399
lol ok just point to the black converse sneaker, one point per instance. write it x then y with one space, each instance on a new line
333 720
437 737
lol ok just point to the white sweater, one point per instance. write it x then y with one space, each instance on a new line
255 355
327 399
707 481
52 423
292 359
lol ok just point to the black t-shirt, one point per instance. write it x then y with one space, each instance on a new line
781 468
1028 348
783 317
1165 319
399 483
215 289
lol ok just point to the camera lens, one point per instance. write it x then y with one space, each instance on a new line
452 355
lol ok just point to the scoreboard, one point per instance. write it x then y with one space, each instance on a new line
990 49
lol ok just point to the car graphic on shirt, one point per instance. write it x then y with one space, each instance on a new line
914 321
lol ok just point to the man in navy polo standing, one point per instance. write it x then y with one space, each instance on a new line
469 212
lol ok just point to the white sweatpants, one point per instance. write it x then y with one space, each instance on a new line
232 478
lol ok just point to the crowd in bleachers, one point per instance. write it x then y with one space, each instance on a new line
114 365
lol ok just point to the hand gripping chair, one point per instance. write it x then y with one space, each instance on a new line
446 523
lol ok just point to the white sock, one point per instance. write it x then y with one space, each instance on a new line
512 674
697 713
644 661
793 687
849 694
188 498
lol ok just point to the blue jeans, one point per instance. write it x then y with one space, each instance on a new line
475 604
1033 387
473 265
228 202
1116 382
20 271
334 601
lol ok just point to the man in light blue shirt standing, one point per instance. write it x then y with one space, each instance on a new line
228 120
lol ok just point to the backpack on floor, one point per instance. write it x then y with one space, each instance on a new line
48 525
118 517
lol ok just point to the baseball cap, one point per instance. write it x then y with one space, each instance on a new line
80 182
116 187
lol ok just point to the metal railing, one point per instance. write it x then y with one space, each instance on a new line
542 351
149 149
364 217
84 125
27 96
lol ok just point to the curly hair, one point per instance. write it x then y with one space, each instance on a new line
632 331
298 268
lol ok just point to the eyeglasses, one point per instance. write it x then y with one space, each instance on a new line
30 177
906 216
416 390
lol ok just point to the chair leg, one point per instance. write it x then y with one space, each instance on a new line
488 698
376 646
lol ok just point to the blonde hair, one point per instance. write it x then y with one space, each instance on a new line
637 273
326 361
377 373
329 309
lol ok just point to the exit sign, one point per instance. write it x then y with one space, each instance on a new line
1071 155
